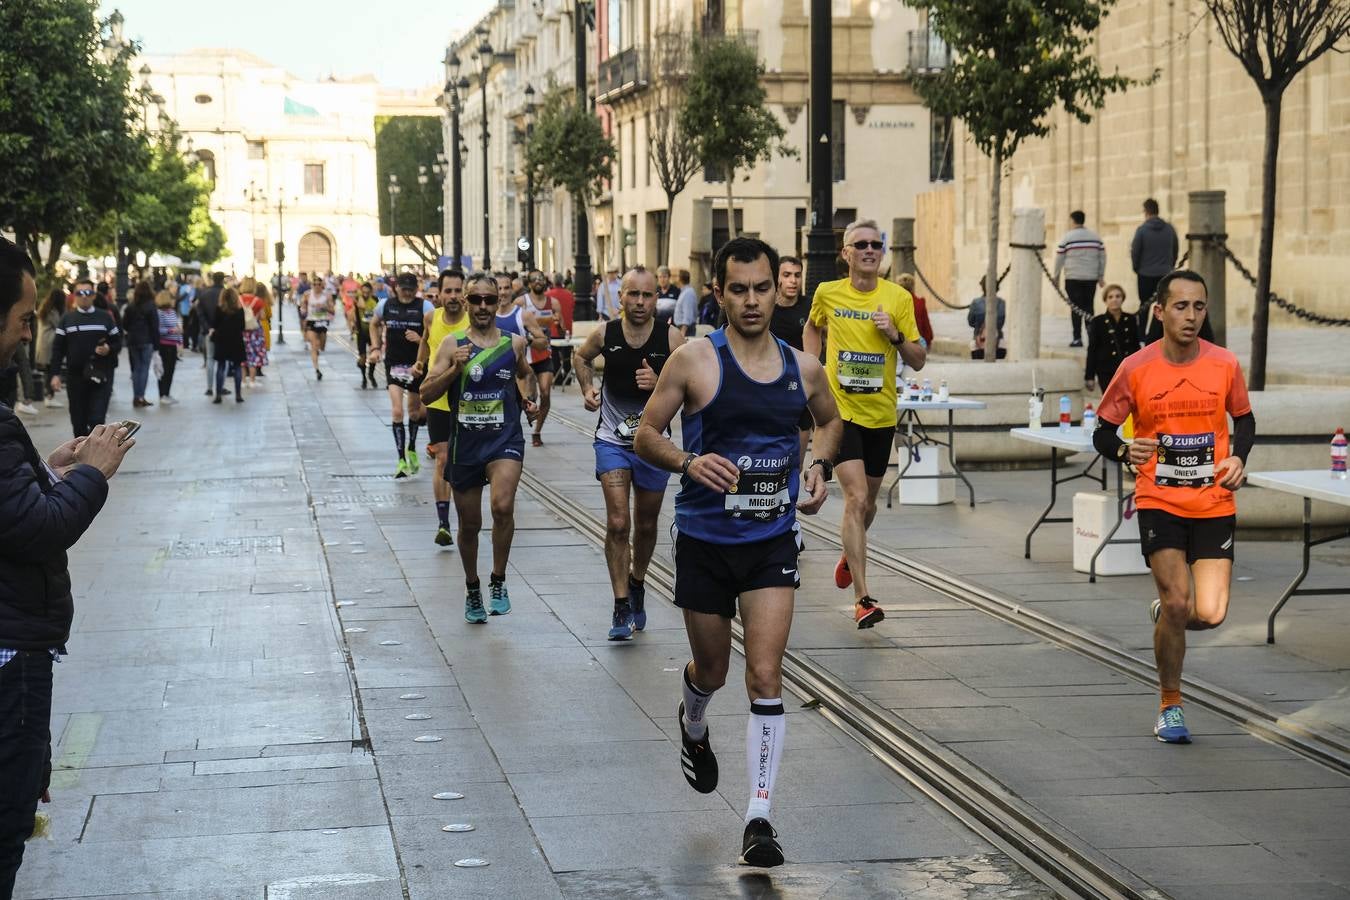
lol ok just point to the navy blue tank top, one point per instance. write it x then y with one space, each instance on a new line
753 424
485 404
513 322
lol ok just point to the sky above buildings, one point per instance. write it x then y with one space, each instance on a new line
400 42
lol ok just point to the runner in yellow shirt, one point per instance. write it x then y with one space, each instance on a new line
448 318
865 324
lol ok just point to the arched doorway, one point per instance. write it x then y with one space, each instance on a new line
316 253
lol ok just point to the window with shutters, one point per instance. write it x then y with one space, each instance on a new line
314 178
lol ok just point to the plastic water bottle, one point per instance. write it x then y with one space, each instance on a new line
1089 420
1065 409
943 394
926 393
1338 453
1035 409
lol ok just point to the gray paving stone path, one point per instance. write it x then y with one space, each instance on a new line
270 680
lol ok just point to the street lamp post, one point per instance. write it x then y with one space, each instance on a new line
456 164
484 64
281 257
581 289
254 196
820 250
394 191
529 177
422 179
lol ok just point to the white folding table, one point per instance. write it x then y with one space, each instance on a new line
911 433
1310 484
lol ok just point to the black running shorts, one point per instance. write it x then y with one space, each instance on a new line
709 577
1211 538
545 366
400 375
438 425
871 445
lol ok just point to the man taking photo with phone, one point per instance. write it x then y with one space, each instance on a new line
45 506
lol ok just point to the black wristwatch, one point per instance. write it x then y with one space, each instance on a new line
826 468
688 461
899 339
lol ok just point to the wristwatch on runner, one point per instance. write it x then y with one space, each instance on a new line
826 468
688 461
899 338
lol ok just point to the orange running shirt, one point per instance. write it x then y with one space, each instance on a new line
1186 409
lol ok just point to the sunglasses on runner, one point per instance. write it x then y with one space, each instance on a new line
480 299
84 293
868 245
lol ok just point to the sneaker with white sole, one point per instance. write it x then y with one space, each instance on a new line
760 846
26 409
53 403
1171 726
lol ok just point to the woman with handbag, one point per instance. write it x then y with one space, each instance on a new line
170 345
228 340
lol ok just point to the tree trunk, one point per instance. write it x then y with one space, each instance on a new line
991 273
731 204
1256 375
665 238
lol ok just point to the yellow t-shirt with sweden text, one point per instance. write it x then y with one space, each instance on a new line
438 332
859 359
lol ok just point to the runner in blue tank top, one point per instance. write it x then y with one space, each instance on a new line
742 393
485 372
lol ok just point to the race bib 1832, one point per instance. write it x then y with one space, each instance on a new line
1185 460
861 373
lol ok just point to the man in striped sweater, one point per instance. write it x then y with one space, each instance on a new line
85 349
1081 258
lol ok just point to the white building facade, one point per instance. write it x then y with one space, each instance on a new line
292 161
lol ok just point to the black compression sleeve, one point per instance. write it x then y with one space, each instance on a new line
1244 436
1105 439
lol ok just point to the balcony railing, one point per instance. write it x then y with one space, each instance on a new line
623 73
928 53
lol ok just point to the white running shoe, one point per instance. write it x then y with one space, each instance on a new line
27 409
53 403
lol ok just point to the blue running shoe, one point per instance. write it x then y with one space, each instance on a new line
499 602
1171 727
622 629
474 613
637 596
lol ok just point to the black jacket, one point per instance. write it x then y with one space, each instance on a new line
1109 342
79 335
208 300
229 336
40 519
140 323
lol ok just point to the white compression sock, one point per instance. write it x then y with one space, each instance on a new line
764 736
695 705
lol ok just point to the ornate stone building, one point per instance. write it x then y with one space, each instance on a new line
1199 126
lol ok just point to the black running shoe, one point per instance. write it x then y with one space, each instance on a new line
760 846
697 759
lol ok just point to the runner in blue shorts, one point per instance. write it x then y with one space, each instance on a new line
635 347
486 372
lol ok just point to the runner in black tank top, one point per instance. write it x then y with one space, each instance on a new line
635 348
395 333
740 393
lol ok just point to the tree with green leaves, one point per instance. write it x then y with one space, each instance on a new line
407 146
70 143
725 113
1013 62
672 150
168 210
568 149
1275 40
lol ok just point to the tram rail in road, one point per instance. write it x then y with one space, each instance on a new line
1321 747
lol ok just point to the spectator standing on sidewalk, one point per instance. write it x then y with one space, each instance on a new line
975 319
685 317
906 281
170 344
48 320
207 302
45 506
1153 253
1112 336
1081 259
84 353
228 338
140 322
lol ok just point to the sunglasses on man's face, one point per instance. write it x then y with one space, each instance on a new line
84 293
868 245
480 299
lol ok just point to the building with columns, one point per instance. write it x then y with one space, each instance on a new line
291 161
1198 127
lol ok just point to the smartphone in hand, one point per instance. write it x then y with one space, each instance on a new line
132 426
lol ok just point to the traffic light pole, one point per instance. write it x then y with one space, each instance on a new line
820 250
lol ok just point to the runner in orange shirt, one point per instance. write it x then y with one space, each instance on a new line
1181 392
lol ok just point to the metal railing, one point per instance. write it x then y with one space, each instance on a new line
626 71
928 52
